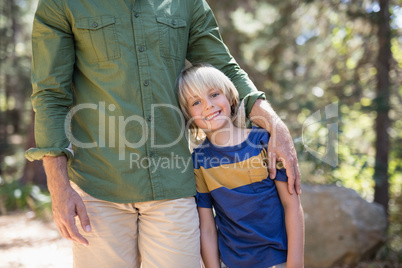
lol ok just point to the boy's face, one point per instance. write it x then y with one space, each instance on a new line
210 111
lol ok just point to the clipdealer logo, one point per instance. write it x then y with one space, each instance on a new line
328 116
122 122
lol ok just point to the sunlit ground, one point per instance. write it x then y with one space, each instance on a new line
25 242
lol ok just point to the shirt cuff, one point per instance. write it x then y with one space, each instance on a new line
249 101
38 153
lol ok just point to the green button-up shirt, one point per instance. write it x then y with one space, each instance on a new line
104 80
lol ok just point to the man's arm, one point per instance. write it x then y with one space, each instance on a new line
209 238
206 45
66 203
280 145
53 58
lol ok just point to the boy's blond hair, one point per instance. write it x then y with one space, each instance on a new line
203 77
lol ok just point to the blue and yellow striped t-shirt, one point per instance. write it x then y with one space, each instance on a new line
249 214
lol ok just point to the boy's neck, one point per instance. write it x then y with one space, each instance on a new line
229 136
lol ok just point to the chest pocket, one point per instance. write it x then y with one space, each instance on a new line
172 31
96 38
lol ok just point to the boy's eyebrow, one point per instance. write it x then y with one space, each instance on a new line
214 89
193 97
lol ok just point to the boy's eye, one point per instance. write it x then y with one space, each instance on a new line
213 95
195 103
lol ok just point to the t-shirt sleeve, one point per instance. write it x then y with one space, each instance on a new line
281 175
203 196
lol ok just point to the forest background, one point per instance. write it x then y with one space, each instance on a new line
330 68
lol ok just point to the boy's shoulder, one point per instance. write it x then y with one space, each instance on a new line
201 147
257 129
258 134
200 151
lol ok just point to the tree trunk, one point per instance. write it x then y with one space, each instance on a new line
381 194
33 171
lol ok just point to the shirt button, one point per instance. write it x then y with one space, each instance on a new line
136 14
146 83
173 22
141 49
149 118
94 25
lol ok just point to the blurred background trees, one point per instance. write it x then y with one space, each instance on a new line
306 55
19 179
309 55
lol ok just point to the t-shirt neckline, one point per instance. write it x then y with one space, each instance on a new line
241 145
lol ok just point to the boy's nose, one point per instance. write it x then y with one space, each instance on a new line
208 104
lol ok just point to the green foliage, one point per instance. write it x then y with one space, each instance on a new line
395 230
311 54
14 196
306 55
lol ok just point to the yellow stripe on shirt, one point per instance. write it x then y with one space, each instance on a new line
253 169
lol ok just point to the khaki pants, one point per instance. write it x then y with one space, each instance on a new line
160 234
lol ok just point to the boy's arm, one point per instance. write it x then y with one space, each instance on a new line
209 238
294 220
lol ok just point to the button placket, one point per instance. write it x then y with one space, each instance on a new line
140 34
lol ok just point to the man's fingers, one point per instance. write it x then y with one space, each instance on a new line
63 231
290 172
297 179
75 234
66 234
83 216
272 165
291 184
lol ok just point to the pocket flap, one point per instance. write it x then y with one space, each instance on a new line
172 22
94 23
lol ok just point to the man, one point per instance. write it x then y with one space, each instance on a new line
104 76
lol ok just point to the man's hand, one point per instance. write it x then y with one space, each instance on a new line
66 203
281 148
280 145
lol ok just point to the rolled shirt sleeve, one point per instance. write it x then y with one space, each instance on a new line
206 45
52 67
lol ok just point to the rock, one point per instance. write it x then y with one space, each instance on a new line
341 227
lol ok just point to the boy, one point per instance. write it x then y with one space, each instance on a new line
231 170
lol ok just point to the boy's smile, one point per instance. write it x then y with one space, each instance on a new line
212 116
210 111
